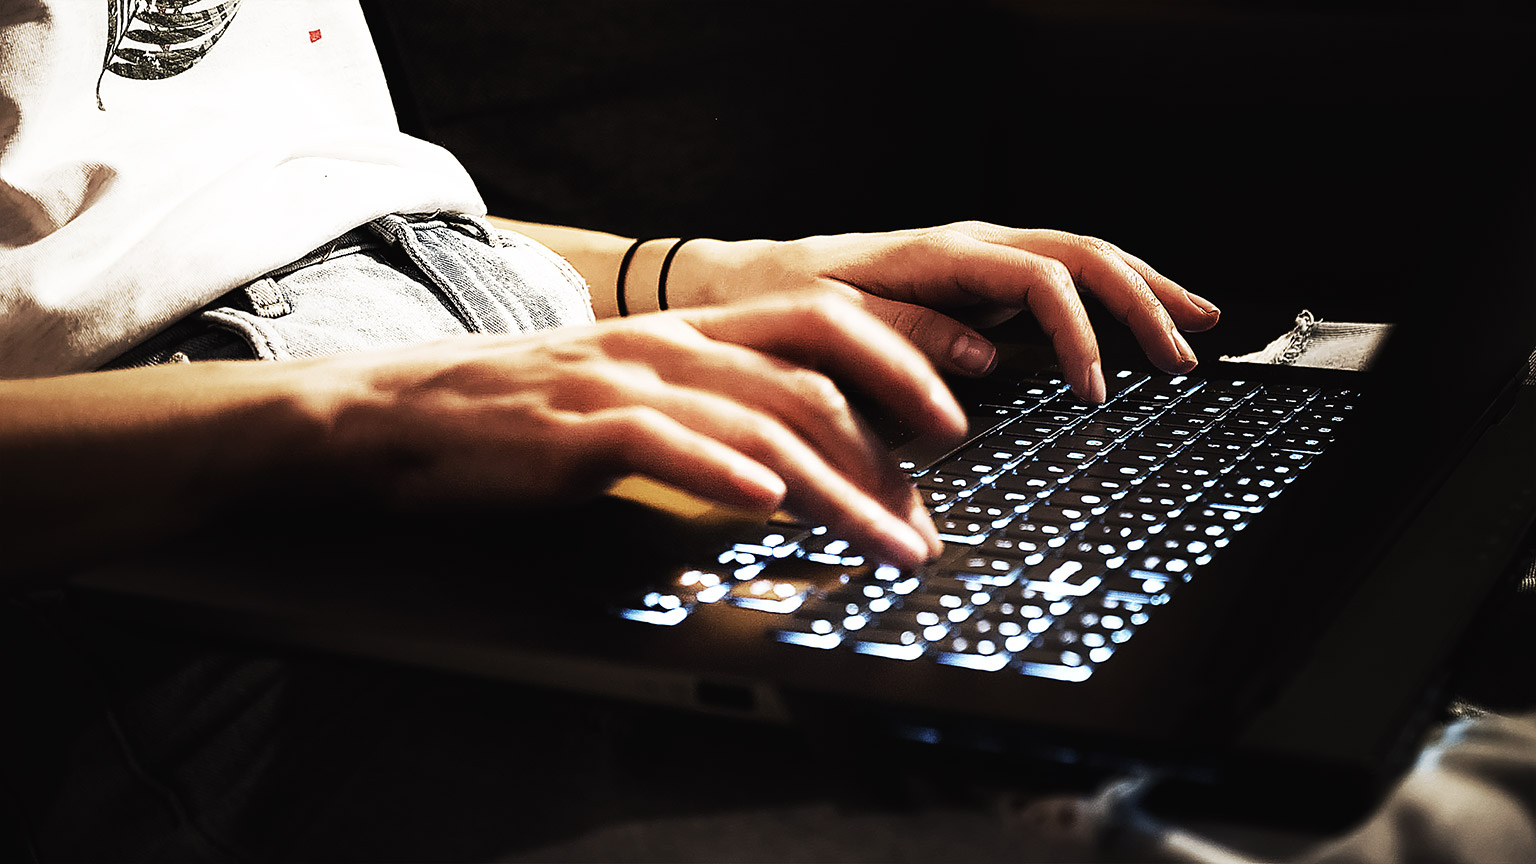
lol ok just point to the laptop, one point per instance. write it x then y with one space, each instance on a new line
1227 609
1243 582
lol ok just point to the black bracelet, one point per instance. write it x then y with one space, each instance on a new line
618 287
666 264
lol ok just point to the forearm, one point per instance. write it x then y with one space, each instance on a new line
734 404
702 273
93 463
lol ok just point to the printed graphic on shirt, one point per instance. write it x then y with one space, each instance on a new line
149 40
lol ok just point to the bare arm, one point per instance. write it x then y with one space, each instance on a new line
731 403
736 405
92 463
921 283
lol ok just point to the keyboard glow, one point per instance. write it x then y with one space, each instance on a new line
1067 526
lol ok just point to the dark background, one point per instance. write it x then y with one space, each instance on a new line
1268 156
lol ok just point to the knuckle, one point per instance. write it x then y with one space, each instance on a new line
631 425
911 322
945 240
1057 274
1144 309
1096 246
759 433
614 438
594 387
617 336
968 227
830 306
623 341
821 310
818 390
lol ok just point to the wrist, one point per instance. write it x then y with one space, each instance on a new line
362 417
702 272
215 434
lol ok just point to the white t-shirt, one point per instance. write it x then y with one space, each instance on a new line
154 155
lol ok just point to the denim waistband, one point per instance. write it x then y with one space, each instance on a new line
357 240
396 280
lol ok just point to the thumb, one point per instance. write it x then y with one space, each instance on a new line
949 345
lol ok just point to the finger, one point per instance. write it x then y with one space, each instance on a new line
657 446
1105 271
765 437
835 336
548 469
1192 312
1098 267
648 441
1005 275
948 343
806 401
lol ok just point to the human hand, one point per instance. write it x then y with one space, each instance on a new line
924 282
733 404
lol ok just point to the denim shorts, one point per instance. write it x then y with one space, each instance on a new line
397 280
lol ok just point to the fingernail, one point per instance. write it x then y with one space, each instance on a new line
1092 389
902 538
1205 305
916 549
923 522
1186 354
769 485
971 355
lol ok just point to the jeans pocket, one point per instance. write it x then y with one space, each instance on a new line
195 337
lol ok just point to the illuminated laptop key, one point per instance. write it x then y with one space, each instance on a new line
771 542
1051 662
963 531
1138 586
1068 576
1282 457
982 639
768 595
896 644
1071 518
812 631
982 512
700 586
656 607
935 496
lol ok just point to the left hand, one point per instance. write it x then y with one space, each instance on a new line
932 284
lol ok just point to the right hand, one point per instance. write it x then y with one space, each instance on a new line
734 404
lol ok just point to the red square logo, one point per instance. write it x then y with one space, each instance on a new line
314 35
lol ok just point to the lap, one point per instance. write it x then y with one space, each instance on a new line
152 744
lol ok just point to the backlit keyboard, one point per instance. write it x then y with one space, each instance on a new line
1066 526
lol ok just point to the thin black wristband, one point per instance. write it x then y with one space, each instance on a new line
666 264
618 286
